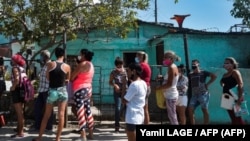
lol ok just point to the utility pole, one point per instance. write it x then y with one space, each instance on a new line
156 12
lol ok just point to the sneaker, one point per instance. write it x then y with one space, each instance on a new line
17 136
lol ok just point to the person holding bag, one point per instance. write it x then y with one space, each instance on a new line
18 71
232 78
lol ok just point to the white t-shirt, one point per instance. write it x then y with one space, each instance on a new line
136 95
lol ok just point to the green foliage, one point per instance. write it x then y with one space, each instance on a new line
241 10
34 19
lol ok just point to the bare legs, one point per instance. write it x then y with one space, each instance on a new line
47 114
181 111
146 113
192 117
20 118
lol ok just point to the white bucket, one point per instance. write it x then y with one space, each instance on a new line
227 101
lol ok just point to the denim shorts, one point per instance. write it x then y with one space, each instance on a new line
200 99
57 95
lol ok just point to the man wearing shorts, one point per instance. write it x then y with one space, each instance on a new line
200 93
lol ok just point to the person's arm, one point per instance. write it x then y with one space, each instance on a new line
124 84
212 79
76 72
16 74
169 81
236 74
49 67
68 73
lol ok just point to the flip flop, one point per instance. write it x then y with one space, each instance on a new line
17 136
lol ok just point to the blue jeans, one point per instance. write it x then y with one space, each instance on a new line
118 103
39 110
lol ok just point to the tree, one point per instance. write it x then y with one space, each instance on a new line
34 21
241 10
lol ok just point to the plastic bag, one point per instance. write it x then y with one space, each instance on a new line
240 110
160 99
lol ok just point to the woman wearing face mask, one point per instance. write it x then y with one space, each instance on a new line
232 78
182 87
118 79
142 59
170 85
81 78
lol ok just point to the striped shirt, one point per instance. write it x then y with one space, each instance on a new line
43 82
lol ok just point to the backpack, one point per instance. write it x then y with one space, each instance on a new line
26 88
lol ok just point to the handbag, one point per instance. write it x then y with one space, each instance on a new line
227 101
160 99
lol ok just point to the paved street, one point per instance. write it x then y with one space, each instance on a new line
102 132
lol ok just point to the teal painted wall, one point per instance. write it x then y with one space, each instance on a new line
209 48
219 115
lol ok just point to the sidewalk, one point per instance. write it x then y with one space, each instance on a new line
103 131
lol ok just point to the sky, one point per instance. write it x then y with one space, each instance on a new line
209 15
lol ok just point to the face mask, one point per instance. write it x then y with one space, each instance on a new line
227 66
166 62
194 67
79 57
137 60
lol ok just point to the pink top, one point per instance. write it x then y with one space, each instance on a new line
84 79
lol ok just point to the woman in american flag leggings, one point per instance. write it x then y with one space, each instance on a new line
84 114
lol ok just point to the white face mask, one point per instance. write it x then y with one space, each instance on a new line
137 60
79 57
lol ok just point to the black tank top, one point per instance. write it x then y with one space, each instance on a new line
57 76
229 83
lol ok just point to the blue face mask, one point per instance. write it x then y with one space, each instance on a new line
137 60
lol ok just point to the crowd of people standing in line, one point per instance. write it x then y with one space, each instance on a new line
131 90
